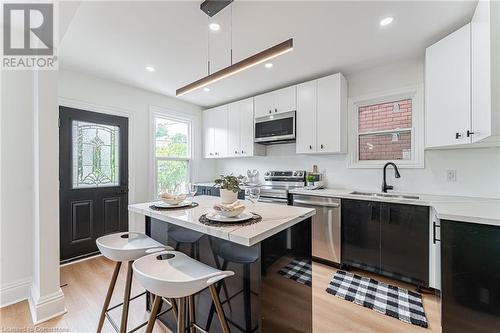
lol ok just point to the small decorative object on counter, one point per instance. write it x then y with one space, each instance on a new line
252 177
230 210
229 187
310 180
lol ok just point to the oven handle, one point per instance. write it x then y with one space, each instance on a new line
316 203
282 201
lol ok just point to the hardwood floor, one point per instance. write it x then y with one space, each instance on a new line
86 283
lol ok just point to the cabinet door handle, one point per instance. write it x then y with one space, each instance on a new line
242 152
321 146
434 226
275 110
236 152
458 135
270 111
469 133
373 217
310 147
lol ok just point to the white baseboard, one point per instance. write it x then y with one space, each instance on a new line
46 307
14 292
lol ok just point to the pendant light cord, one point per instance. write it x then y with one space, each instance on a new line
208 48
231 35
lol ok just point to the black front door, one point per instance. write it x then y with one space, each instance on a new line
93 176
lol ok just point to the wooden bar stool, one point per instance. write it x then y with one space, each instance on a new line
173 274
124 247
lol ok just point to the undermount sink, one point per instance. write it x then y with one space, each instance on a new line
385 195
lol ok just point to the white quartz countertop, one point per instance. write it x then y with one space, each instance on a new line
465 209
275 218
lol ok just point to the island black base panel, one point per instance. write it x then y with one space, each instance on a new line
257 298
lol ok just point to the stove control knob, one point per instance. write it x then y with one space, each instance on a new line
267 174
300 174
294 173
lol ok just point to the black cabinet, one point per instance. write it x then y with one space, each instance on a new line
361 234
386 238
214 191
404 242
470 277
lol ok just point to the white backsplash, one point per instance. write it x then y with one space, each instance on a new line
477 171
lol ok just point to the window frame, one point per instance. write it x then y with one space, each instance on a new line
416 94
172 116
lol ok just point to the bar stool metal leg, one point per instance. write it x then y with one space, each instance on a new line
126 298
154 312
218 307
192 316
181 316
173 304
111 287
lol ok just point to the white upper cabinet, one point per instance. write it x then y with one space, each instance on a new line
447 90
285 100
485 38
322 115
215 132
278 101
332 114
228 131
306 117
240 130
461 76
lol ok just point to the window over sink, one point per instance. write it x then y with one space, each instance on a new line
387 127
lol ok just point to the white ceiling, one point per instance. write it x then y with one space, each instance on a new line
116 40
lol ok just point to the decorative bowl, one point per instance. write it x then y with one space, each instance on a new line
173 199
232 213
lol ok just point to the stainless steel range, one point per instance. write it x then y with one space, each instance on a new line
278 183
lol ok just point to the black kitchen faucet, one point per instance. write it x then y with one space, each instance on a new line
386 187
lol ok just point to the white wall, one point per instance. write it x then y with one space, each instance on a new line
16 174
478 170
96 94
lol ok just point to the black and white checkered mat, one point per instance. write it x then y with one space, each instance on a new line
299 270
392 301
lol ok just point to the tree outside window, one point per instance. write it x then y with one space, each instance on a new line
172 154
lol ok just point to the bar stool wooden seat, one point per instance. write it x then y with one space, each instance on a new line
124 247
172 274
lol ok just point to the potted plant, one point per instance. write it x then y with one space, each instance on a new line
310 180
229 187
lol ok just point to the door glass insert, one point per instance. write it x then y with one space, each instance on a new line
95 155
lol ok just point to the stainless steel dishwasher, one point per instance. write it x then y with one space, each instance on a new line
326 228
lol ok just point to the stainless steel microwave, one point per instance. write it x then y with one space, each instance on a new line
275 128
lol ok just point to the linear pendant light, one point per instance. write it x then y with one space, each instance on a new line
249 62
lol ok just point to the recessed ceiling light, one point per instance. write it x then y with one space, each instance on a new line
214 26
149 69
269 65
386 21
206 89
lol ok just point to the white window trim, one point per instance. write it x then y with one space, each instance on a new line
158 112
416 94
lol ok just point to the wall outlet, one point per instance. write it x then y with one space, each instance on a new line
451 175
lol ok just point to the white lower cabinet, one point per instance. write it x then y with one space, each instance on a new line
322 116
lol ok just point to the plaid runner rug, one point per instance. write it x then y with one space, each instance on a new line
392 301
299 270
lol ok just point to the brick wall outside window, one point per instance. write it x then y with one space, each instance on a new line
390 145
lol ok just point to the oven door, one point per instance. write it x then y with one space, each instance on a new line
278 127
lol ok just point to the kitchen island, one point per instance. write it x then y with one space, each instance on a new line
264 295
